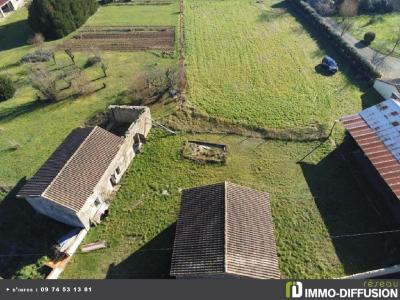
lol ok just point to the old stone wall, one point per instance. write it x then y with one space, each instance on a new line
138 116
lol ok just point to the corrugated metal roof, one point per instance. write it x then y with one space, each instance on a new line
75 170
225 228
377 131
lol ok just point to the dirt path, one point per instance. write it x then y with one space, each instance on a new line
389 66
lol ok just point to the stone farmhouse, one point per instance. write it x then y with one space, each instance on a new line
74 184
7 6
225 231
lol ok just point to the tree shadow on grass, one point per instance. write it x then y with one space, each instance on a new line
153 260
8 114
25 236
10 65
271 15
360 45
14 35
346 207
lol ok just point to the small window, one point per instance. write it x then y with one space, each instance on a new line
113 180
118 170
395 113
395 124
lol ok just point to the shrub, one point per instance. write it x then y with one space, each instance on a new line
369 37
91 61
150 85
32 271
57 18
40 55
7 89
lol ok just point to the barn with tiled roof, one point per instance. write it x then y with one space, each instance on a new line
74 184
225 230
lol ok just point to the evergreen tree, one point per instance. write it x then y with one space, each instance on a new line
58 18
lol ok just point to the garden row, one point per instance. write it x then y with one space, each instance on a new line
319 23
123 39
137 2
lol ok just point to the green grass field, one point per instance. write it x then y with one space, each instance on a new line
386 29
259 68
39 128
309 201
136 15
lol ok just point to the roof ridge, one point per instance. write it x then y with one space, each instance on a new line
68 161
225 224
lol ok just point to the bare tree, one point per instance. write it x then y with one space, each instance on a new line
325 8
37 40
347 24
70 55
44 82
104 68
149 85
81 85
348 9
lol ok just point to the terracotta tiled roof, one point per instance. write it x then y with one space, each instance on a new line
225 229
376 130
2 2
73 171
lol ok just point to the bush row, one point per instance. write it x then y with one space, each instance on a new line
343 47
40 55
57 18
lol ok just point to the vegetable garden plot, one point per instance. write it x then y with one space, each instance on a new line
143 2
123 38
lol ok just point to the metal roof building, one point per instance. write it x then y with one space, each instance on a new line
224 230
377 132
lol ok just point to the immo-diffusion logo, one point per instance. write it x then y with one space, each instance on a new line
296 290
